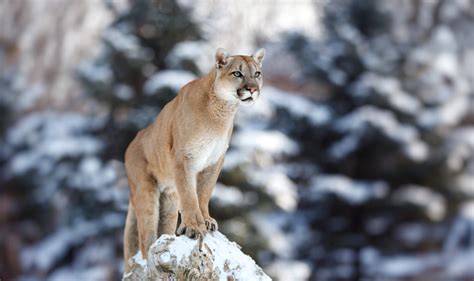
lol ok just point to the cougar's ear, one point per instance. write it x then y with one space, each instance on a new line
259 55
221 57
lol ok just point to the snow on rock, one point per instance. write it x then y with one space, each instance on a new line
180 258
173 79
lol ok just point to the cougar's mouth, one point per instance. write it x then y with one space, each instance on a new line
245 96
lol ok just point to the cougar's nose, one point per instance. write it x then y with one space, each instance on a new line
251 89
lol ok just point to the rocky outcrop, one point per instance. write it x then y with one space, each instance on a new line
180 258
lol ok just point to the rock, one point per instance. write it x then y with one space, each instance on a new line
180 258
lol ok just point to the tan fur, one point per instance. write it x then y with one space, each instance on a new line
175 162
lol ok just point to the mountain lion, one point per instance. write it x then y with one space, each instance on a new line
173 164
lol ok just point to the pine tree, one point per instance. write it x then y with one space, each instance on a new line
135 47
400 93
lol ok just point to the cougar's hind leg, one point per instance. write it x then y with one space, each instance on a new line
130 239
168 213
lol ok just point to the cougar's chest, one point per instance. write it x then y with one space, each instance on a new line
209 151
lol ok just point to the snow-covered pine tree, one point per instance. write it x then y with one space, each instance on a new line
136 47
64 198
396 161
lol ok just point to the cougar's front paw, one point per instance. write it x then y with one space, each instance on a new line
211 224
193 228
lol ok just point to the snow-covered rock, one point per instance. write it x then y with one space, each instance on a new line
179 258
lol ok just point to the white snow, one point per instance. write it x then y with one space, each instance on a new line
227 195
51 250
385 122
270 227
127 44
404 265
289 270
277 185
49 137
449 113
272 142
354 192
199 52
459 149
467 211
138 259
92 273
433 204
389 90
298 106
173 79
226 256
97 73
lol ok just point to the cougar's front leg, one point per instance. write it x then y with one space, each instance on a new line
192 222
146 204
206 181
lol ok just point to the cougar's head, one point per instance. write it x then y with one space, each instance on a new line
239 78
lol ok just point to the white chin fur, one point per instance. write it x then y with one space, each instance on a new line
249 102
227 95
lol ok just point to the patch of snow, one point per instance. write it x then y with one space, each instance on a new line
49 137
225 257
138 259
354 192
227 195
289 270
461 265
277 185
467 211
298 106
127 44
387 90
100 74
450 113
433 203
405 266
459 149
59 243
385 122
91 273
270 227
123 92
272 142
200 52
173 79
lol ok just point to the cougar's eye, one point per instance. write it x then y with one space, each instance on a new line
237 74
257 74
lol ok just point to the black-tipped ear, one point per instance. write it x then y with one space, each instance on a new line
259 55
221 57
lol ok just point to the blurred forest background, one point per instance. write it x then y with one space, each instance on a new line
357 162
